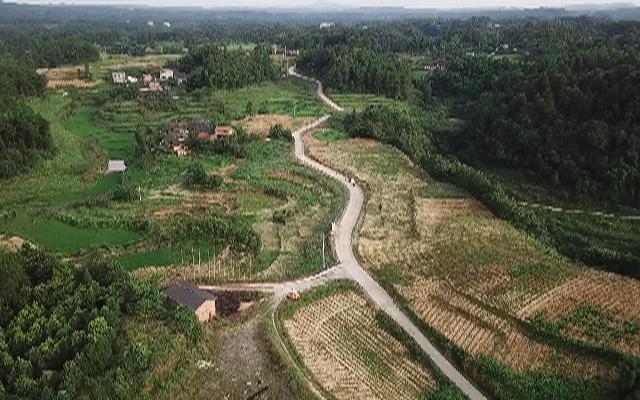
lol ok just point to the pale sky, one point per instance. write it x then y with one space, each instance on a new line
440 4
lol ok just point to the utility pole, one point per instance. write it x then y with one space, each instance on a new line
324 264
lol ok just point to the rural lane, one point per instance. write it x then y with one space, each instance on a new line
343 234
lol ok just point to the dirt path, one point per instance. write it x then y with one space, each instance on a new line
348 267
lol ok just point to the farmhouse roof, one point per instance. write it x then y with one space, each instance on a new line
224 130
200 126
188 295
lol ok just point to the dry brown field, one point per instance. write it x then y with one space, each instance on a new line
66 77
351 357
475 278
260 124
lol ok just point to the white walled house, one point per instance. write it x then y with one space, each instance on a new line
166 74
119 77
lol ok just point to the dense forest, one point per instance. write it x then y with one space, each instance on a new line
570 118
359 70
220 68
62 328
24 135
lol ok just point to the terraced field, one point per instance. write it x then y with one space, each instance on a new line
339 341
287 97
476 279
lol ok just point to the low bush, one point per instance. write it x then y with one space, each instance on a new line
186 323
195 177
278 132
281 216
221 230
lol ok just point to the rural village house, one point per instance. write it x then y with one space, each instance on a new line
178 135
119 77
202 303
166 74
176 139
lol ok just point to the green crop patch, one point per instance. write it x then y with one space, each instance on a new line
62 237
389 275
249 203
330 135
358 102
526 270
115 145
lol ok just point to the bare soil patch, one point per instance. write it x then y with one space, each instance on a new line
66 77
13 243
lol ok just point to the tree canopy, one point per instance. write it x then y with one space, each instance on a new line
61 328
220 68
360 70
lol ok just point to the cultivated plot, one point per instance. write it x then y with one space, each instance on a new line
489 289
340 343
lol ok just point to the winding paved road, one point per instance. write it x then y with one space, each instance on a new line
349 267
342 242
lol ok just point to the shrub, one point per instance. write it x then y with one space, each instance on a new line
278 132
186 323
220 229
281 216
195 177
629 380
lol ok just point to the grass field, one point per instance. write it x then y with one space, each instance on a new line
288 96
60 176
470 277
359 102
596 233
115 145
64 205
336 336
330 135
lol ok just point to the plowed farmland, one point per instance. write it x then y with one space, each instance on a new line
351 357
477 280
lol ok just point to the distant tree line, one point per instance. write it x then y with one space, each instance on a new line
44 50
24 135
359 70
220 68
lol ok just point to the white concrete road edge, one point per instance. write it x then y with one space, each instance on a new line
342 242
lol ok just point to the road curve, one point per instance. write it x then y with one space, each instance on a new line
342 241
